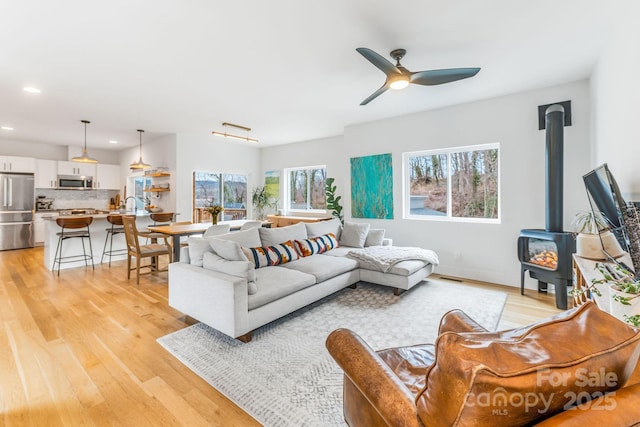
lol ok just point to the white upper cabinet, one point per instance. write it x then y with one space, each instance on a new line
17 164
76 168
107 177
46 173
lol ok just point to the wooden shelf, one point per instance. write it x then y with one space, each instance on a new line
156 190
157 174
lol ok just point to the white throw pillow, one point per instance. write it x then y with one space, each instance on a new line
375 236
275 236
354 234
242 269
197 248
322 228
247 238
227 249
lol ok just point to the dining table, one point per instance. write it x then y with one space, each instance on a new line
176 231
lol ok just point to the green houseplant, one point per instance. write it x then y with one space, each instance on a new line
333 201
624 290
261 200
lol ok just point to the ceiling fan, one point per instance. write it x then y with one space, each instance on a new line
399 77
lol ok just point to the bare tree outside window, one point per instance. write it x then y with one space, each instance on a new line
458 183
306 188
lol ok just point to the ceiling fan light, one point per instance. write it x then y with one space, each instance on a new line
399 83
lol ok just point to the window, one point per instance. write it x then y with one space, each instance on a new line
227 190
458 183
306 188
139 184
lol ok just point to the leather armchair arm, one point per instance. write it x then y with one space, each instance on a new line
616 409
458 321
373 378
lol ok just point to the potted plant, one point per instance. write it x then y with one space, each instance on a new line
261 200
624 290
333 202
592 233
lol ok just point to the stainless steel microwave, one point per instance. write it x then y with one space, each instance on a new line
75 182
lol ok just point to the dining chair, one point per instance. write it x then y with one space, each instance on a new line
217 229
135 249
251 224
159 218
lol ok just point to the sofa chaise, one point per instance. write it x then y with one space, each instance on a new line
242 280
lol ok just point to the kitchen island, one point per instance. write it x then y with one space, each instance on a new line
98 230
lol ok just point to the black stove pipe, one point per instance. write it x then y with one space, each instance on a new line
554 120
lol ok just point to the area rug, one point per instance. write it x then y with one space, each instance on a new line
286 377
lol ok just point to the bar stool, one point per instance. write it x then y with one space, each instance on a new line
116 228
81 225
159 218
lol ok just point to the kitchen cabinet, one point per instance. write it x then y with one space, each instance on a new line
39 226
46 173
107 177
17 164
76 168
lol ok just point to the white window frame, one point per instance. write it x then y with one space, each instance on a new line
287 189
406 184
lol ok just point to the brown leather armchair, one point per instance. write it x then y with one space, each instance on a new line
472 377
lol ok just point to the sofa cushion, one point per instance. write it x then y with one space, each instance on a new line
197 248
315 229
354 234
242 269
517 377
316 245
264 256
245 238
339 251
323 267
227 249
277 282
273 236
375 236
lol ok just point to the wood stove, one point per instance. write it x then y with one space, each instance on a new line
547 254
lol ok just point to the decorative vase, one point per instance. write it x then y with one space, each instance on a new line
214 219
590 245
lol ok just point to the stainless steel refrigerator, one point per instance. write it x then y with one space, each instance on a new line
16 211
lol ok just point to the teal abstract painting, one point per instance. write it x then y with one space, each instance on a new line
372 187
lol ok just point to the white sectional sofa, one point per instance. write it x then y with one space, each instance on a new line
217 284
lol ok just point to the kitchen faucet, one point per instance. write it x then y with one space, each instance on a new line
135 205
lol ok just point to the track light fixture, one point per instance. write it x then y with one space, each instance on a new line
228 135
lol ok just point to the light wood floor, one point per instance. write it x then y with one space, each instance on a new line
80 349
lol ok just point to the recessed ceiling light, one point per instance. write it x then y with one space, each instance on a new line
31 89
6 128
113 142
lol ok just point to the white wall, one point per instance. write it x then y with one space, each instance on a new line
615 88
479 251
205 152
10 147
157 152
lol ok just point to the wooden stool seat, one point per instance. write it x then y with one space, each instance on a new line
80 226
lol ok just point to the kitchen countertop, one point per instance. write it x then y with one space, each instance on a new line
101 215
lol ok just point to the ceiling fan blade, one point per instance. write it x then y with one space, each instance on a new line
376 59
438 77
375 94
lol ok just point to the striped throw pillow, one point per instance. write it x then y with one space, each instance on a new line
264 256
317 245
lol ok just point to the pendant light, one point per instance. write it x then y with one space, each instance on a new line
85 156
139 164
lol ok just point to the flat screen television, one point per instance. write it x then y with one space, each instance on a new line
606 199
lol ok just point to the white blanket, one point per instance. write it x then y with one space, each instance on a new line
385 257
